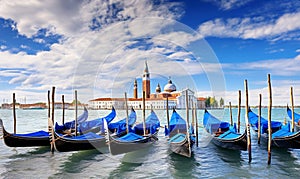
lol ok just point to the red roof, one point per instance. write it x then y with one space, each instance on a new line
201 99
131 99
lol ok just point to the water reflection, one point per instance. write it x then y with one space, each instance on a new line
78 161
182 167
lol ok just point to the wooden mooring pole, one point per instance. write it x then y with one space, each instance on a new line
49 107
52 119
187 120
144 112
239 113
127 118
197 133
63 108
293 114
231 120
167 108
247 124
76 113
14 113
269 120
259 120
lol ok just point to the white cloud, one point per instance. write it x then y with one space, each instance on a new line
95 62
251 28
71 18
280 95
229 4
3 47
282 67
38 40
103 62
60 17
24 47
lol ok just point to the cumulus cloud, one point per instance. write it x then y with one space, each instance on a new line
252 28
102 48
71 18
105 43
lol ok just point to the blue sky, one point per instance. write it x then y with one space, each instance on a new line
99 47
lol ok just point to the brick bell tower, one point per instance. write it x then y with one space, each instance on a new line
146 81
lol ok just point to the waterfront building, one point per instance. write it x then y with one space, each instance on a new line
157 100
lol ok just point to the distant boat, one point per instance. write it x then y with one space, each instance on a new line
34 108
223 134
134 139
181 141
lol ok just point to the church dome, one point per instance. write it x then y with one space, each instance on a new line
170 87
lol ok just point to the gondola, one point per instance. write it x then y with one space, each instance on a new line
223 134
39 138
253 120
134 139
82 118
282 137
87 140
152 124
83 125
181 140
119 127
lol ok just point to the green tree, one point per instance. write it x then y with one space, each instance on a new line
73 102
213 102
221 102
207 102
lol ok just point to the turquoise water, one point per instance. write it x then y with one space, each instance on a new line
207 161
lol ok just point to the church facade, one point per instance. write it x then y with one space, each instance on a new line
157 100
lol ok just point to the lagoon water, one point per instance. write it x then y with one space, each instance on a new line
207 161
